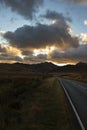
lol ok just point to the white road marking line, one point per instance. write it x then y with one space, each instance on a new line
74 109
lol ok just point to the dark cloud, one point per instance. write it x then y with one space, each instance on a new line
7 57
42 35
42 57
35 59
76 55
53 15
27 52
26 8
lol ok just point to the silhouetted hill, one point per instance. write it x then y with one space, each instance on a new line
79 67
42 67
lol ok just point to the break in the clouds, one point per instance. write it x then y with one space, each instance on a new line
42 35
25 8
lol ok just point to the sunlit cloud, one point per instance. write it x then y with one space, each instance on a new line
7 61
44 51
12 50
83 38
9 50
9 54
69 30
70 56
2 32
85 22
54 22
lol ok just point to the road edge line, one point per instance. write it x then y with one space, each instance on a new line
73 107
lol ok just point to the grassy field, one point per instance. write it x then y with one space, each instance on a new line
33 103
73 76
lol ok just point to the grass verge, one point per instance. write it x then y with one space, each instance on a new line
33 104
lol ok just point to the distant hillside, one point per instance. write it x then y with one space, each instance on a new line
79 67
42 67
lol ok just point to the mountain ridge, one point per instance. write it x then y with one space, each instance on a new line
43 67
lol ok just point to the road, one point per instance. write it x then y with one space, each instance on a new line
77 92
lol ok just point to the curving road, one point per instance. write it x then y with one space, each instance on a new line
77 94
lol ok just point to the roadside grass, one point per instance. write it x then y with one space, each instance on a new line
74 76
33 103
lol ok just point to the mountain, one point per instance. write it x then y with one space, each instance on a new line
42 67
79 67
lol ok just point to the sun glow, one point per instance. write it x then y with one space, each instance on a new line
63 64
53 22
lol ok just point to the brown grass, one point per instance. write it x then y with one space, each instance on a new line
73 76
33 103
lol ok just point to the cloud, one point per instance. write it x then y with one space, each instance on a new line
83 38
70 56
9 54
35 59
84 2
85 22
2 32
2 49
25 8
53 15
9 50
74 55
27 52
7 58
80 1
43 35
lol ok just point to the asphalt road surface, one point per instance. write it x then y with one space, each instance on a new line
77 92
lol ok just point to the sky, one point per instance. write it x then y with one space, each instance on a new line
35 31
